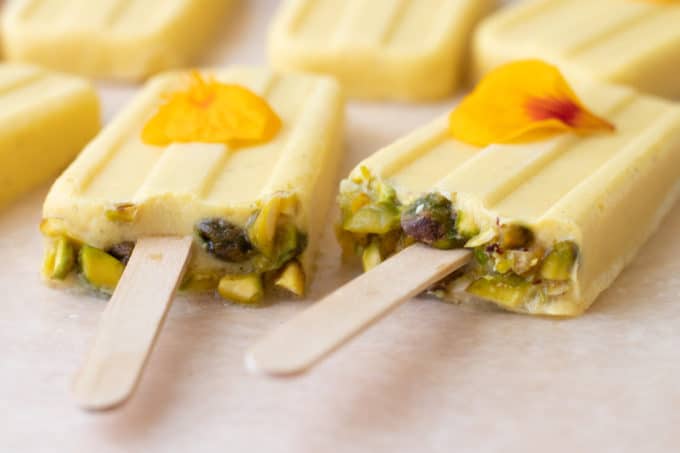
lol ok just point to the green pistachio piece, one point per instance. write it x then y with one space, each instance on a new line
371 256
559 263
506 290
224 240
60 259
431 220
292 278
200 282
376 218
466 226
100 269
244 289
122 212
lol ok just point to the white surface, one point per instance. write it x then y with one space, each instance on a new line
430 378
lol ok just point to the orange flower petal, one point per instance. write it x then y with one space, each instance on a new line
522 101
212 112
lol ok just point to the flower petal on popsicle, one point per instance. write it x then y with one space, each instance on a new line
520 102
209 111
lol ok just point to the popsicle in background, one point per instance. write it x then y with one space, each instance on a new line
539 226
117 39
46 118
237 164
385 49
632 42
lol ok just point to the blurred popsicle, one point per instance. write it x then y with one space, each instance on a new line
121 39
238 162
393 49
46 118
632 42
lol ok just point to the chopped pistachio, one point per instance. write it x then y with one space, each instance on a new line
60 259
376 218
357 202
365 174
292 278
371 256
262 227
559 263
502 264
48 261
224 240
466 226
245 289
507 290
200 282
431 219
100 269
122 212
286 242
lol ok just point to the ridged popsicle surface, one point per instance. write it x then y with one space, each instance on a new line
45 120
605 192
406 49
111 38
173 187
631 42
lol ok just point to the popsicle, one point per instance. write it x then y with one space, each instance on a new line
540 224
632 42
47 118
253 211
218 179
391 49
121 39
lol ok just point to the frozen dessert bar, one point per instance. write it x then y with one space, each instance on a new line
551 222
241 159
393 49
47 118
632 42
123 39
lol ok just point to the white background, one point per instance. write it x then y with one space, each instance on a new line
430 378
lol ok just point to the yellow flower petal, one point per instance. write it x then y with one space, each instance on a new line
521 102
212 112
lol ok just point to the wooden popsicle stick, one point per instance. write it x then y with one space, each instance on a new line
315 333
131 322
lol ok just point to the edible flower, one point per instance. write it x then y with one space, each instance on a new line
522 102
209 111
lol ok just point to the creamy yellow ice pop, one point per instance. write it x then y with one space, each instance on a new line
551 221
242 159
393 49
123 39
47 118
633 42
